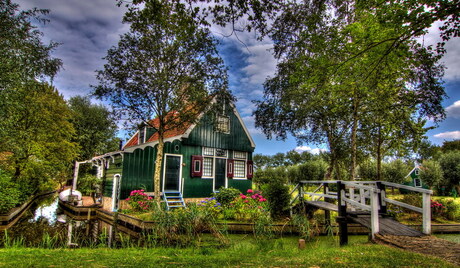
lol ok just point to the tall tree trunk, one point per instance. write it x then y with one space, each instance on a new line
158 165
354 131
379 155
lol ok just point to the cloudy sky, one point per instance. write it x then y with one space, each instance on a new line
87 28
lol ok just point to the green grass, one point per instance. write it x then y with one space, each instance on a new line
243 251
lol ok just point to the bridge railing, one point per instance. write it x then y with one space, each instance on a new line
366 191
425 210
365 195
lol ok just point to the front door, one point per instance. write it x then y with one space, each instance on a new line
172 173
219 179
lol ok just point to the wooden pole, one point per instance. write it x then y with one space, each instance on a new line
374 214
381 196
327 213
426 213
342 218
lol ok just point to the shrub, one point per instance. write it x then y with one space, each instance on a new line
10 194
278 199
226 195
139 201
211 206
87 184
247 207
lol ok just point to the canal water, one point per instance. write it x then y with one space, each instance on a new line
45 224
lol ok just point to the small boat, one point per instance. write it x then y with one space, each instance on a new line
72 196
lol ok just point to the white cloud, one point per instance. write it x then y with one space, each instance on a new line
453 111
448 135
260 63
249 121
301 149
452 58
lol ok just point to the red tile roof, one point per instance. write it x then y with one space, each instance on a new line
169 133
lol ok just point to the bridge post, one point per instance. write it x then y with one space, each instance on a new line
381 196
426 207
374 213
342 218
327 213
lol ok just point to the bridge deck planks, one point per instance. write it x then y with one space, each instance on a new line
388 226
323 205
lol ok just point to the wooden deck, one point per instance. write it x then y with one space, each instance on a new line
388 226
323 205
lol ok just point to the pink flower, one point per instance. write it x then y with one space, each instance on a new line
249 191
127 199
243 197
246 201
259 207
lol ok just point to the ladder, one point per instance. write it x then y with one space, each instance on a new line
173 200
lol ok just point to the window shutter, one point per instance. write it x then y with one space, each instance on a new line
230 168
196 168
249 169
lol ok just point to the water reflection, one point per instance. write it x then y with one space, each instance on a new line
45 224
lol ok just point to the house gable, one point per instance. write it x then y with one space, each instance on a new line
204 134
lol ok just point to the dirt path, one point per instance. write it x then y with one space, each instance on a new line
429 245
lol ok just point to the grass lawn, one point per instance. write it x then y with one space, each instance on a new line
242 251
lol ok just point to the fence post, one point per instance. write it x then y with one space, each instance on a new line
381 196
327 213
426 207
342 218
374 213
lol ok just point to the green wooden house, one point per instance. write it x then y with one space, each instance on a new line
413 178
198 159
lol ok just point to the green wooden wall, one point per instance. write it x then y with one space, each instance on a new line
115 167
204 135
138 168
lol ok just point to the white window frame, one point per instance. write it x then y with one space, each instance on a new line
224 125
239 156
209 152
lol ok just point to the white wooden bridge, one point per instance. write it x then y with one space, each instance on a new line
363 202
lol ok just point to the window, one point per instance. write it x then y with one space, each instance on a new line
416 171
417 183
141 135
239 169
223 124
239 164
208 163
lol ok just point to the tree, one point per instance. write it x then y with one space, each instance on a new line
34 131
94 126
333 77
448 146
22 52
450 164
38 135
165 67
432 174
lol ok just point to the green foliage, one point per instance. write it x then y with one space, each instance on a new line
87 184
226 195
367 170
395 171
94 128
23 55
278 198
270 175
139 201
450 164
448 146
431 173
10 193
